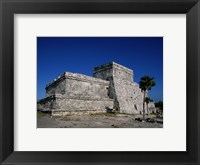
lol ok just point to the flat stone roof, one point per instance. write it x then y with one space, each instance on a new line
112 65
69 75
77 76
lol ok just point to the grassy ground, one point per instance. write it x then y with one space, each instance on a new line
102 120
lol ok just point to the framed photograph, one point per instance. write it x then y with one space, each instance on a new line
111 97
99 82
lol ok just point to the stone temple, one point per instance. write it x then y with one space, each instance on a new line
112 88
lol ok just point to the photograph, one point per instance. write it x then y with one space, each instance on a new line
100 82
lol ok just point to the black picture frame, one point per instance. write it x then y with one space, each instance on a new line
10 7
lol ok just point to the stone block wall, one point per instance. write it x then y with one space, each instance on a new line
76 92
47 104
59 104
122 72
111 87
104 72
127 95
90 89
112 69
74 85
63 104
57 86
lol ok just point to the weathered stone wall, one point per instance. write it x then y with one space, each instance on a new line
57 86
111 70
83 104
112 87
104 71
58 103
122 72
73 85
47 104
65 113
152 108
76 92
86 89
127 95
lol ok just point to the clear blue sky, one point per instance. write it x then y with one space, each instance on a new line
55 55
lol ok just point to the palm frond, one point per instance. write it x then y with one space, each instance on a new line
146 83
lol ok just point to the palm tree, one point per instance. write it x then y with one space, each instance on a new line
146 83
147 101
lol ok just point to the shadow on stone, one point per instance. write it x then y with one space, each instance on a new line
150 120
138 119
160 122
109 110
